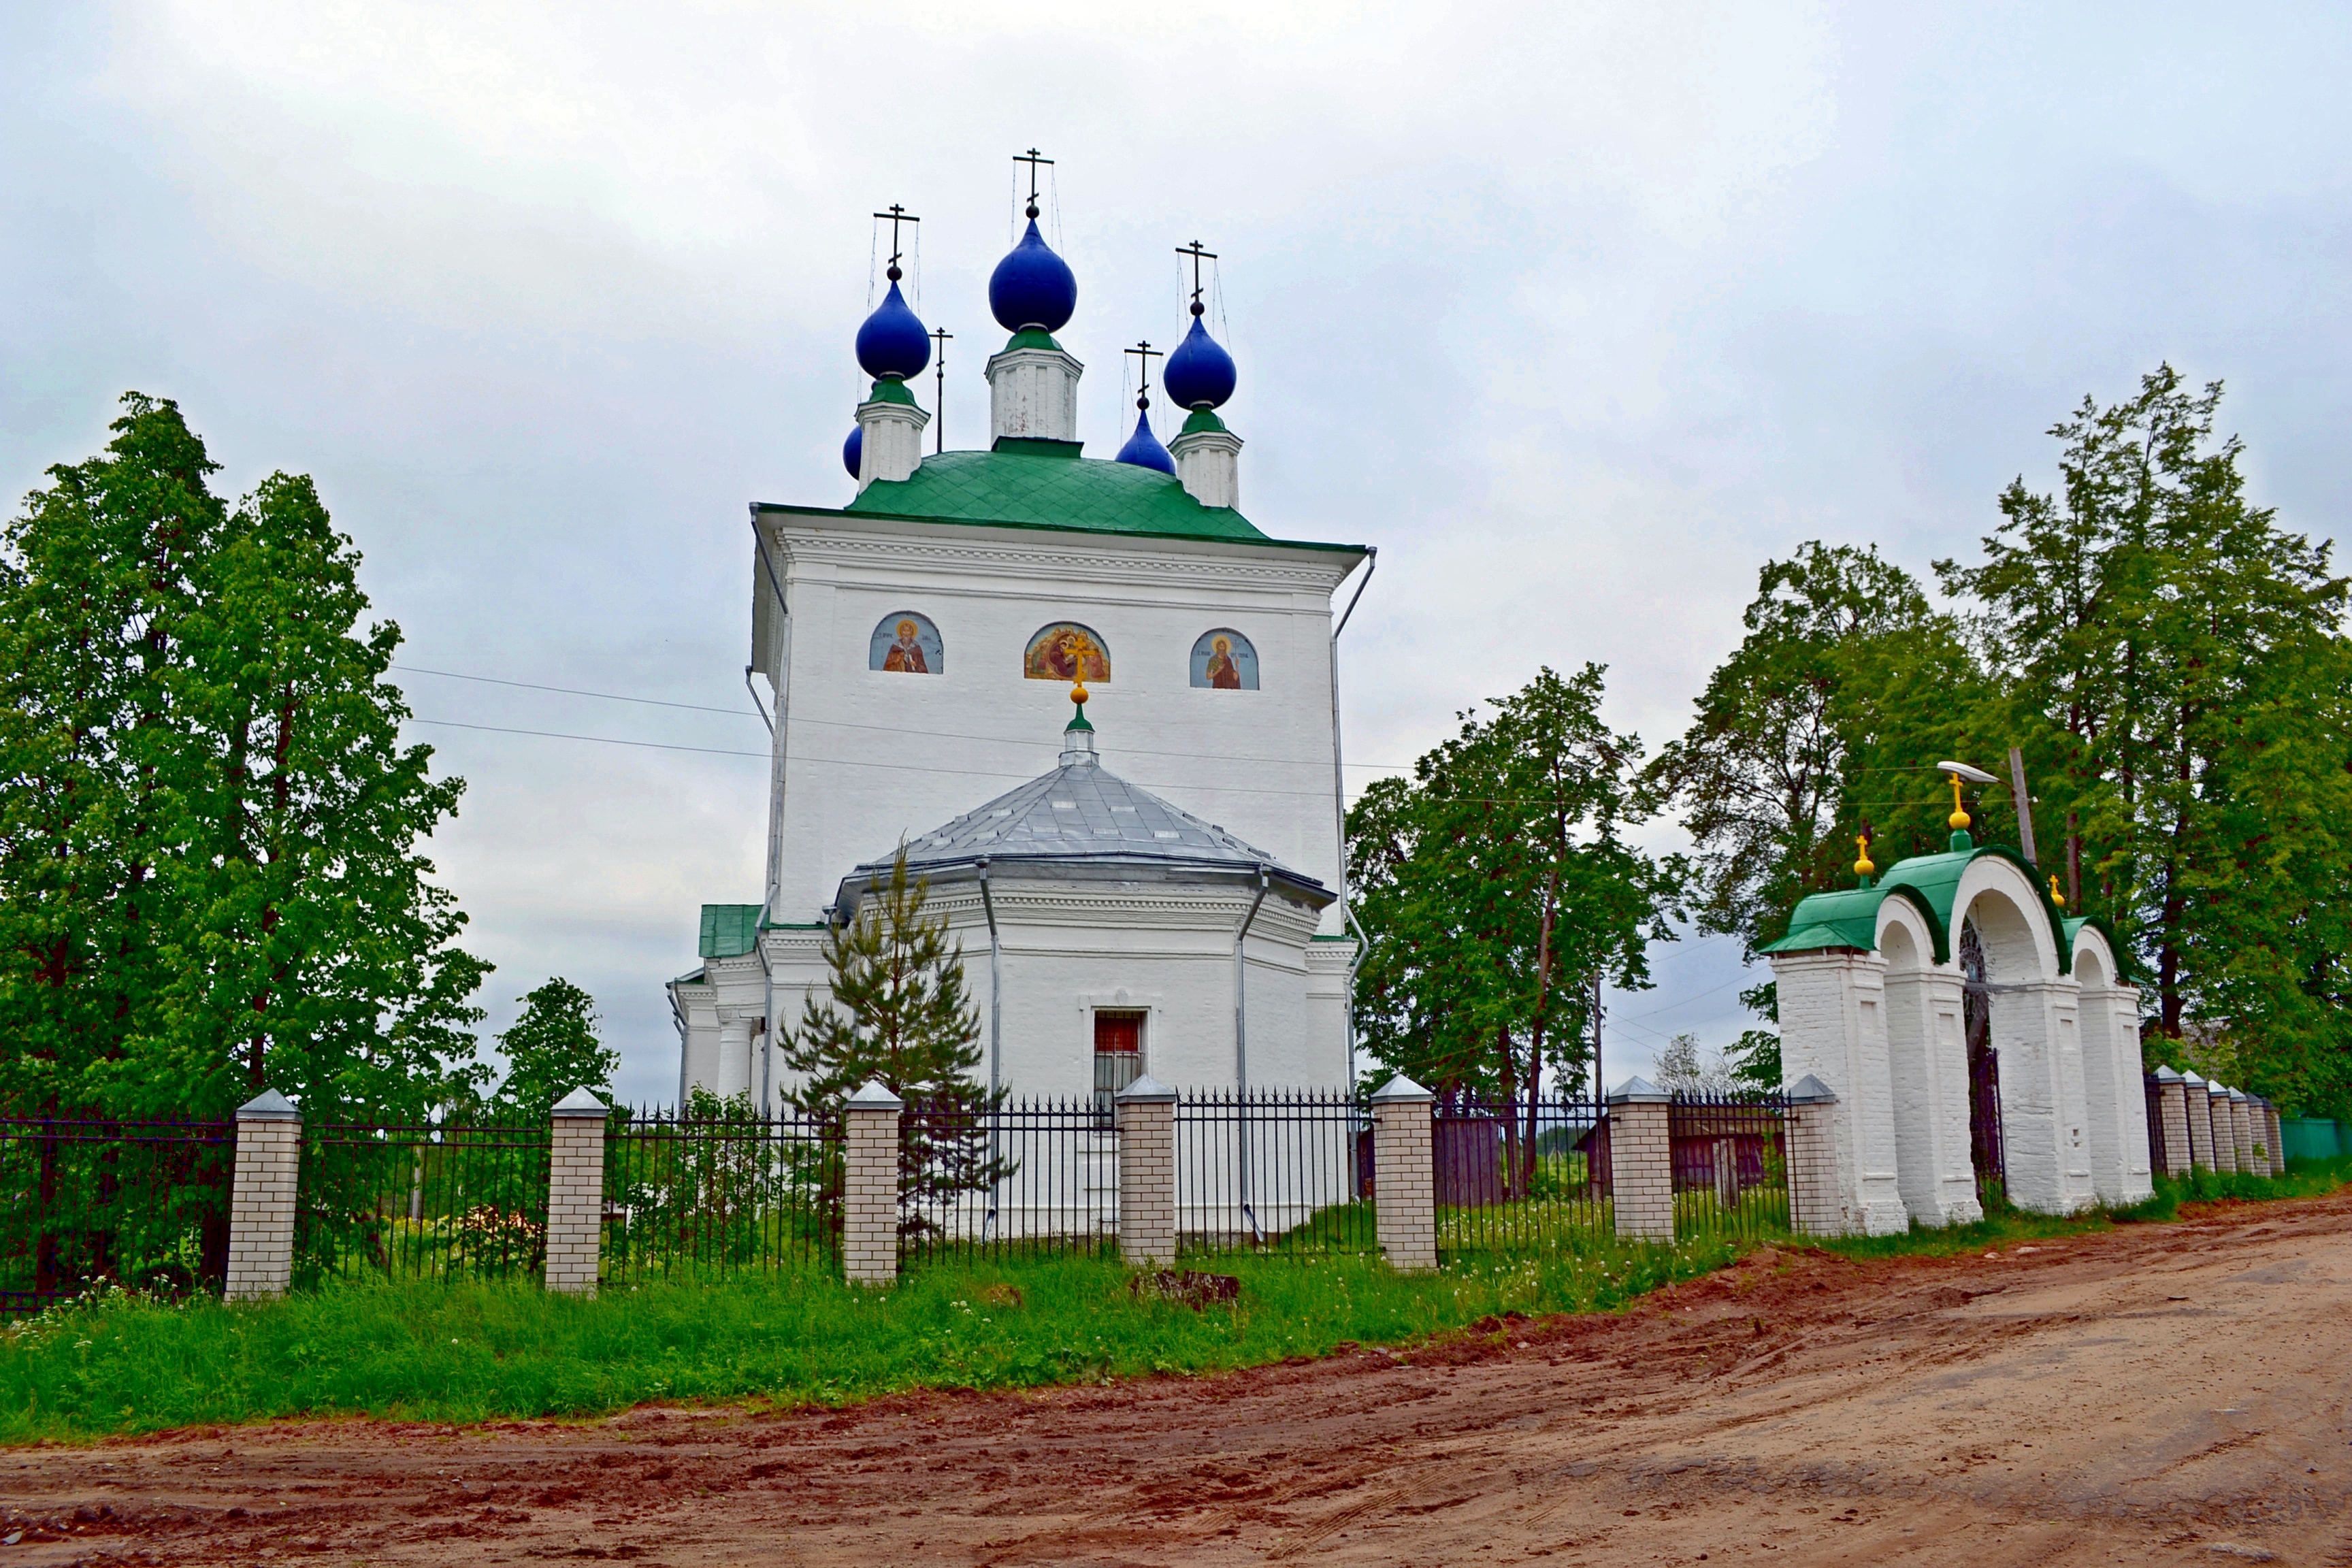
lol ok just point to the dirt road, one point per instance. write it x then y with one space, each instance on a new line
2155 1394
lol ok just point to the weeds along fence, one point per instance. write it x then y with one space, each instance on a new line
1730 1160
434 1200
691 1197
142 1204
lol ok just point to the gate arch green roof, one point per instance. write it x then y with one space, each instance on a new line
1848 917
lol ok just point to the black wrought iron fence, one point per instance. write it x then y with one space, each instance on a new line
436 1200
1730 1164
1032 1175
695 1196
1520 1176
1287 1170
139 1204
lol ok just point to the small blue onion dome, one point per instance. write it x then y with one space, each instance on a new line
893 341
1143 448
1200 373
1032 287
853 451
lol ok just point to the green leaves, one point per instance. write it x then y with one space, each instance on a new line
208 878
552 1049
1496 891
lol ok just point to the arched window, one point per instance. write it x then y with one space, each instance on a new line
906 643
1066 651
1223 660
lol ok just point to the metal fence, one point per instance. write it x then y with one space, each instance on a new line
139 1204
436 1200
1287 1170
691 1197
1730 1159
1520 1176
1030 1175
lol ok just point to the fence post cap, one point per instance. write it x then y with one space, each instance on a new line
1147 1089
580 1102
875 1096
2240 1094
1638 1090
1809 1090
269 1106
1402 1090
2190 1077
2166 1074
2217 1088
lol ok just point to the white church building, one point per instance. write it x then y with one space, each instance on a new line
1152 882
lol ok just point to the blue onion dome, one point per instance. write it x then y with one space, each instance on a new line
1200 373
1032 287
893 342
853 451
1143 448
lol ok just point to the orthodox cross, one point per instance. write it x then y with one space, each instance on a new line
897 215
1146 353
1198 256
1032 160
939 399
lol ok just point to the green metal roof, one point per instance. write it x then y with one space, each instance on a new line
730 930
1044 484
1848 917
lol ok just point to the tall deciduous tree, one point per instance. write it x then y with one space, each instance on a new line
209 877
1497 890
2184 660
552 1048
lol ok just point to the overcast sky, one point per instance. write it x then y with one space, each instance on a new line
1578 313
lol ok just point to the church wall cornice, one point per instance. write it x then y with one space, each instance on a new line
1154 563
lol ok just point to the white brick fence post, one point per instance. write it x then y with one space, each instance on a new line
2225 1127
2198 1106
1812 1157
1404 1175
575 1193
1641 1161
261 1198
2173 1108
869 1190
2275 1137
1146 1173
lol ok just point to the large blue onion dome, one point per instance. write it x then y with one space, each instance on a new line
1143 448
1032 287
893 342
853 451
1200 373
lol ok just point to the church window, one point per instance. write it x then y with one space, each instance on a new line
905 643
1119 1054
1066 651
1224 660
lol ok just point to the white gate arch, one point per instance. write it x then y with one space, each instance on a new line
1871 1001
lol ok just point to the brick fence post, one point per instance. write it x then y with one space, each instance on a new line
1641 1161
2242 1123
1404 1175
2172 1107
1814 1206
261 1198
575 1193
2198 1106
2225 1127
1146 1173
2275 1137
869 1192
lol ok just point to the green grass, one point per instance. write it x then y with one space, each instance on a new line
2304 1179
473 1352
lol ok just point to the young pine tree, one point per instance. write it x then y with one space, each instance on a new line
899 1014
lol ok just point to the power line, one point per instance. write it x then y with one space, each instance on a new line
599 739
574 691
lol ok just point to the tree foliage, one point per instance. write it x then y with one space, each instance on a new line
1496 889
209 877
551 1048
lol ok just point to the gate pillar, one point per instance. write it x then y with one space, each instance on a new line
1642 1159
1833 1029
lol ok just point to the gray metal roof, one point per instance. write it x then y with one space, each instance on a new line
1082 819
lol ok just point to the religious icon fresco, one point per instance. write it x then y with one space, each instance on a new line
908 644
1066 651
1223 660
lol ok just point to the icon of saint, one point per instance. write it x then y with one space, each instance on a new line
907 653
1224 675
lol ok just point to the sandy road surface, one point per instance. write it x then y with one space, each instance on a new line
2156 1394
